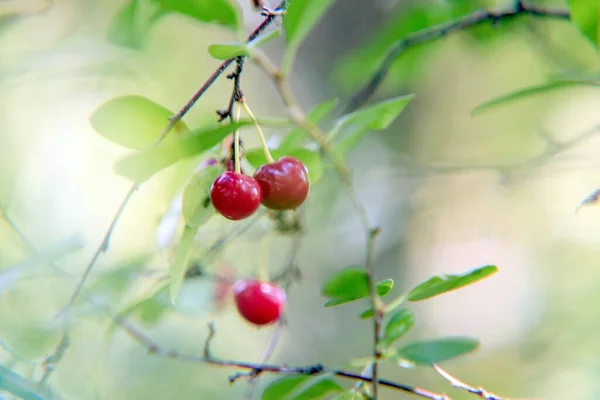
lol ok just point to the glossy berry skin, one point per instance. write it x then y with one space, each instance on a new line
260 303
235 196
284 183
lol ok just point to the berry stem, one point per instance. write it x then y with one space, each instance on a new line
236 144
260 133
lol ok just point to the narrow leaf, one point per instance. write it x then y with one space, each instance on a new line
132 121
446 283
21 387
374 118
142 165
527 92
265 38
310 158
366 314
437 351
179 266
301 387
196 205
225 51
297 137
398 325
585 14
298 21
223 12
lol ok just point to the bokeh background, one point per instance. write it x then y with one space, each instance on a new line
450 189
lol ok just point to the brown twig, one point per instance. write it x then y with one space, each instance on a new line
442 30
481 392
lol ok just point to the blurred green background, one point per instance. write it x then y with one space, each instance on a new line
450 189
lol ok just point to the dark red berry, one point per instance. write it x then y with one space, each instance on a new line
284 183
235 196
260 303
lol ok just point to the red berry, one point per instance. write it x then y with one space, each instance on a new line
260 303
284 183
235 196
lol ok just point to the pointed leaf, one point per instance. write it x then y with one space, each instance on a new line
345 286
384 286
301 387
358 124
298 21
398 325
310 158
180 264
531 91
132 121
297 137
437 351
223 12
196 205
446 283
142 165
225 51
367 314
585 14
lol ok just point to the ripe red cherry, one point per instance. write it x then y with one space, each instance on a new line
235 196
260 303
284 183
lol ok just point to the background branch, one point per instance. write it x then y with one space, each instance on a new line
439 31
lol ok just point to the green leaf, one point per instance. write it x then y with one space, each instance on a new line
180 264
384 286
21 387
142 165
299 19
345 286
446 283
301 387
131 25
527 92
367 314
585 14
196 205
297 137
310 158
346 396
397 326
223 12
225 51
437 351
132 121
264 38
373 118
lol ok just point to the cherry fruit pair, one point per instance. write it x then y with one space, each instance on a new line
280 185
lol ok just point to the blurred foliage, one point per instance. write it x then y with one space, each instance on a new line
170 265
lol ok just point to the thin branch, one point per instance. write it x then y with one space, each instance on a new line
255 369
481 392
441 30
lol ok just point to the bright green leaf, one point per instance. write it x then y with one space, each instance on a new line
223 12
132 121
345 286
297 137
131 25
531 91
180 264
310 158
298 21
142 165
384 286
346 396
225 51
21 387
301 387
437 351
196 205
397 326
367 314
585 14
446 283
